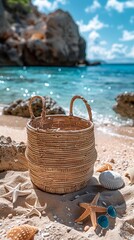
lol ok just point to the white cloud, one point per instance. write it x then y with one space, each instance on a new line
93 24
96 5
93 36
103 42
119 6
132 19
116 51
99 49
48 5
127 36
118 48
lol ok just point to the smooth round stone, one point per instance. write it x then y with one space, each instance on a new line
111 180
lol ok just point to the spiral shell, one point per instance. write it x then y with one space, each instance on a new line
130 175
111 180
23 232
105 167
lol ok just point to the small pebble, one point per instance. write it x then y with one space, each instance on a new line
15 160
104 203
112 160
68 230
117 153
45 234
86 228
77 196
10 215
48 226
104 150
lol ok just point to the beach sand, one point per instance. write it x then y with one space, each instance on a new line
114 145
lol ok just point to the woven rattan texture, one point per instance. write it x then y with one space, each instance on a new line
60 150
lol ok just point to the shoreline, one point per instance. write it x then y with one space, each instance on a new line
117 130
111 141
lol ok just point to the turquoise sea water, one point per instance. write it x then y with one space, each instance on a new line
99 85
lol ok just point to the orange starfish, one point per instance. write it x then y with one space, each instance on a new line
91 210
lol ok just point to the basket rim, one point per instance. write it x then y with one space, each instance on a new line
60 131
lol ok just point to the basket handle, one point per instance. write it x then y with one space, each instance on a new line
43 113
86 103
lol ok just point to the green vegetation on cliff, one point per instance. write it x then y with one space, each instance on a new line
17 5
24 3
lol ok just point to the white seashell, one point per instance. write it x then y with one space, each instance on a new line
111 180
130 175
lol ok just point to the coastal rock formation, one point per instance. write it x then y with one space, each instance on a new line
125 105
56 42
45 40
20 107
12 155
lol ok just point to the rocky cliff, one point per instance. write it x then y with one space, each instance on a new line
45 40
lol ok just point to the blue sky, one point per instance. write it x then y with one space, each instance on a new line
106 25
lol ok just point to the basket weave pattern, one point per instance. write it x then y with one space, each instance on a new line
60 150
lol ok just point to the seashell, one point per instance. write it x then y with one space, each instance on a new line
111 180
130 175
105 167
23 232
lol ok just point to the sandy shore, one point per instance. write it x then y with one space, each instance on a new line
114 145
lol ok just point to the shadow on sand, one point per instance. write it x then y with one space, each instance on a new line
65 208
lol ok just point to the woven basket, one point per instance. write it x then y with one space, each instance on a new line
60 149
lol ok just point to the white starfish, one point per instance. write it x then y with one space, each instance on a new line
35 209
15 192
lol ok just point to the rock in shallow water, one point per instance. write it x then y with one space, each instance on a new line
125 105
20 108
